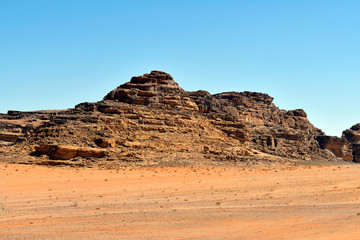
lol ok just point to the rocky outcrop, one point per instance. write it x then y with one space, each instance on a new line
151 120
339 146
10 136
64 152
154 88
352 135
347 147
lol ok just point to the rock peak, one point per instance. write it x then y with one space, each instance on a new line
159 75
154 78
155 87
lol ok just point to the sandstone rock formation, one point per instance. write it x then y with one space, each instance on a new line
154 88
67 152
347 147
352 135
339 146
151 120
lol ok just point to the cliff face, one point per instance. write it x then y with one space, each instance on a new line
347 147
151 120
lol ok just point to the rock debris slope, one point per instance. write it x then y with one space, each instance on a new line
151 120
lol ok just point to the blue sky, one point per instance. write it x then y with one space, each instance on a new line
306 54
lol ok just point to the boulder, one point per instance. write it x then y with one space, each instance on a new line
105 143
65 152
10 136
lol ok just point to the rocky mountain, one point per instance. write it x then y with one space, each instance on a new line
152 121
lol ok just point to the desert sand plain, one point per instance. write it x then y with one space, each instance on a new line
303 202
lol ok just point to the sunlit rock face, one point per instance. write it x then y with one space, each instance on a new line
154 88
151 120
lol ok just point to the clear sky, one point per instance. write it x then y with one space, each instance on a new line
306 54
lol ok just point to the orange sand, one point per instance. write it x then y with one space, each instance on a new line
180 203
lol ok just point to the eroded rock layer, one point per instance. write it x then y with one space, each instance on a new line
151 120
